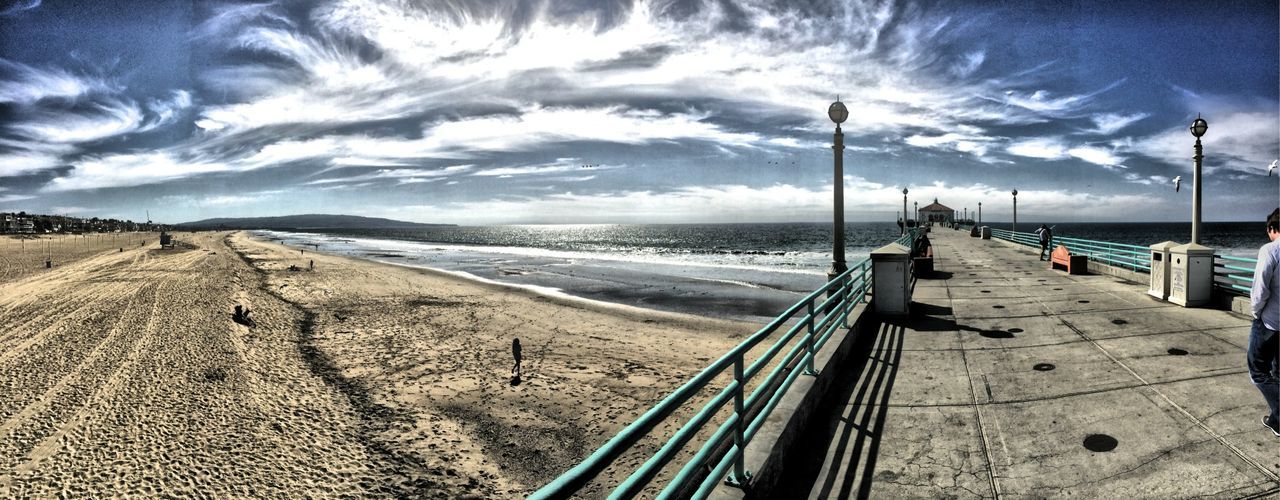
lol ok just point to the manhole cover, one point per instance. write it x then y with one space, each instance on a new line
1100 442
986 291
1043 367
977 282
1174 351
997 307
1083 301
1119 322
996 334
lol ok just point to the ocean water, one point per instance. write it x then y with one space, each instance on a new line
743 271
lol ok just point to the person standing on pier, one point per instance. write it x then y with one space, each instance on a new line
1046 237
1263 356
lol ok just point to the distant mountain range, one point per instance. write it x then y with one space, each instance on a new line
307 221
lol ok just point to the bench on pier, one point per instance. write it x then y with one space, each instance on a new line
922 262
1072 264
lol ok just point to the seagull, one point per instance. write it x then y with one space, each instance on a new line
1272 168
1177 183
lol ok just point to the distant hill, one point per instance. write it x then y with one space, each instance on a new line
308 221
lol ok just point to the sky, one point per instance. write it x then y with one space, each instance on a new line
619 111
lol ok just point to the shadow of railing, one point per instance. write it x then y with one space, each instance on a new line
855 412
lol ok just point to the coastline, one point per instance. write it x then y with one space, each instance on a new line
359 378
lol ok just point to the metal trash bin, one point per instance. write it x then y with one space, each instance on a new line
986 232
891 279
1191 277
1160 269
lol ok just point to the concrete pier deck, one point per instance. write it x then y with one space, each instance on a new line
1007 373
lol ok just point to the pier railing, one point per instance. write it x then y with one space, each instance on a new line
806 327
1233 275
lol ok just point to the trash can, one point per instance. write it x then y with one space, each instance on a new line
986 232
891 279
1160 269
1191 275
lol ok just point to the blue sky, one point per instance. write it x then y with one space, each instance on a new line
482 112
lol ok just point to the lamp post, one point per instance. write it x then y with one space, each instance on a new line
966 215
1015 210
916 204
1198 128
979 213
904 210
838 114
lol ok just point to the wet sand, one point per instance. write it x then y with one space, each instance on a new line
124 374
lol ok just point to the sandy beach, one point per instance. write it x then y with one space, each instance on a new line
125 374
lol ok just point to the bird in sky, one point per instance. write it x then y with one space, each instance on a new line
1272 168
1177 183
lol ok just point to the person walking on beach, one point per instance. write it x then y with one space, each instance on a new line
1263 356
515 353
1046 236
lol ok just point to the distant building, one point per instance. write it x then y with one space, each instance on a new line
937 213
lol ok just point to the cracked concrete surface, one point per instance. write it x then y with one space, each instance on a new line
948 403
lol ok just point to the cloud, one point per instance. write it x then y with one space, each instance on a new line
1239 140
1044 148
7 198
1110 123
25 162
401 175
1096 156
110 118
129 170
12 7
25 85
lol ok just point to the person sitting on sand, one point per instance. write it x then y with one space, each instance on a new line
515 353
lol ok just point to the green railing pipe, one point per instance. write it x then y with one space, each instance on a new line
577 477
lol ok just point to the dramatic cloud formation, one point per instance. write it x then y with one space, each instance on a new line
676 110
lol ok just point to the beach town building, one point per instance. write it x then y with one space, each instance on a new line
937 213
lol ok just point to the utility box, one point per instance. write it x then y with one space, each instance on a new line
1160 269
1191 275
986 232
891 279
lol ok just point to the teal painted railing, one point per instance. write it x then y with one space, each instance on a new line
816 320
908 238
1230 274
1233 274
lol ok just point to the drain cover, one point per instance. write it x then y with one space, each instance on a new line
1043 367
1083 301
1174 351
1100 442
1119 322
1057 289
998 307
986 291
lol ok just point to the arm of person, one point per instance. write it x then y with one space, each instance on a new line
1262 276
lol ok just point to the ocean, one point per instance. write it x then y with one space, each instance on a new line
741 271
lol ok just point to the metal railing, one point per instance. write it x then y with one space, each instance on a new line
908 238
722 453
1230 274
1233 282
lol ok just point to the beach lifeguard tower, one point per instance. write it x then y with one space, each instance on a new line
166 240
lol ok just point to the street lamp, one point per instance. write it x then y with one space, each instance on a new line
916 204
979 213
838 114
1198 128
904 210
1015 210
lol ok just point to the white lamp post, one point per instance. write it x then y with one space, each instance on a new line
1198 128
838 114
1015 210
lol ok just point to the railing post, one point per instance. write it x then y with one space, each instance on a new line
740 475
808 370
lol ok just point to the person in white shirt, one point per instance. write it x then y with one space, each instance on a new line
1046 237
1263 356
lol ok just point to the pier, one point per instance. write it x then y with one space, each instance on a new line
1006 379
